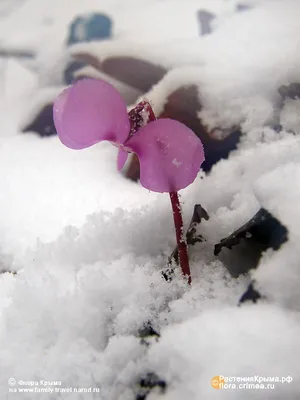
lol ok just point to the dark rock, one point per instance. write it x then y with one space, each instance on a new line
148 383
70 70
242 7
263 227
263 231
251 294
291 91
42 123
147 333
87 28
205 19
135 72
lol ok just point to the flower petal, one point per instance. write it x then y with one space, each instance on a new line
170 155
88 112
122 158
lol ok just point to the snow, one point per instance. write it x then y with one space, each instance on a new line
89 245
187 345
282 288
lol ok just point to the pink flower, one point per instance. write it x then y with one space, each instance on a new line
91 111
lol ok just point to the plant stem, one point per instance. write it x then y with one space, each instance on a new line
138 118
181 243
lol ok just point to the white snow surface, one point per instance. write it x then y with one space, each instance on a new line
89 246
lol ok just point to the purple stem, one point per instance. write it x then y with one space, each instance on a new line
138 120
181 243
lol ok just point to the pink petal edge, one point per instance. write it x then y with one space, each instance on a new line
170 155
88 112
